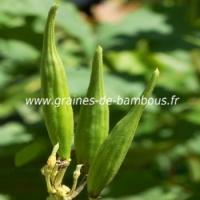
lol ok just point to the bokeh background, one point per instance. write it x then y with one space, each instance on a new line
137 36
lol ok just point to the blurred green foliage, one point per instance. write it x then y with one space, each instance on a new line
164 162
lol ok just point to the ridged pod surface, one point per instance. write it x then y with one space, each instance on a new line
58 119
114 149
93 124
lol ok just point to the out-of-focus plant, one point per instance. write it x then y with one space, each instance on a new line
152 33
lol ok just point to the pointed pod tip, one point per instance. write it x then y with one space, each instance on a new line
55 6
56 147
157 72
53 10
99 49
57 3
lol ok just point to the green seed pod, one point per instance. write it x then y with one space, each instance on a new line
114 149
93 124
58 119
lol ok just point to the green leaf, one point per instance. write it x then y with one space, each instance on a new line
142 20
32 151
69 19
7 20
171 193
125 62
4 197
18 51
13 133
177 72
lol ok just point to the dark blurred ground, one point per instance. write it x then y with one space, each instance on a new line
164 162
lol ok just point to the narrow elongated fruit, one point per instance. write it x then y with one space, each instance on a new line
114 149
93 124
58 119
